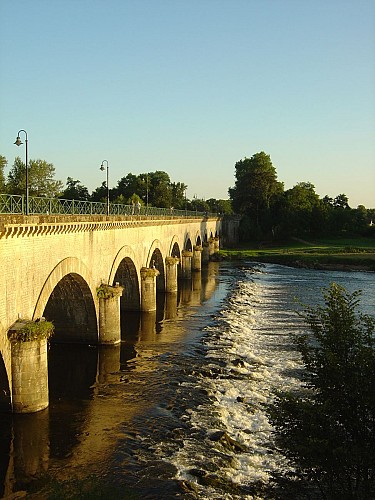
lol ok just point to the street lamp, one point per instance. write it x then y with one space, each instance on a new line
18 143
102 168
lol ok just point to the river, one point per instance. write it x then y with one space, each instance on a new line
176 410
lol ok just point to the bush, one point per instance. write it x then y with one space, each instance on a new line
328 429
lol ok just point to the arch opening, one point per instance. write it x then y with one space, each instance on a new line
126 276
188 245
130 301
71 309
176 253
5 399
156 261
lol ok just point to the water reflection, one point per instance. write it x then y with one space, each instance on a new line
95 391
109 362
170 311
31 446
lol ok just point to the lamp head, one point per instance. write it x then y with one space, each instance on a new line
102 167
18 141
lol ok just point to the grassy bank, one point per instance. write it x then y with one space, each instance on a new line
347 254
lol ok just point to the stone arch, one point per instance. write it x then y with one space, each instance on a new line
174 248
176 252
156 244
198 240
125 270
67 300
127 277
155 259
187 243
125 252
71 308
66 266
158 263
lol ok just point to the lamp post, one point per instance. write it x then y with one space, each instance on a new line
18 143
102 168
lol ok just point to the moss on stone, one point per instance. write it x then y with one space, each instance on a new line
27 331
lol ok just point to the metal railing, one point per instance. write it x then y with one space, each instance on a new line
15 204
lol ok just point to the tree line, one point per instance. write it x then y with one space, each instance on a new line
269 211
152 188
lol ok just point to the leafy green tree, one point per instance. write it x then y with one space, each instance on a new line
256 184
100 193
75 190
199 205
360 219
341 218
41 179
328 429
127 186
220 206
3 164
160 192
341 201
178 190
302 210
255 189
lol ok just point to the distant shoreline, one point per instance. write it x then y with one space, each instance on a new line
304 264
326 258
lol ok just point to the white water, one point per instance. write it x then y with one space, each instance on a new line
250 349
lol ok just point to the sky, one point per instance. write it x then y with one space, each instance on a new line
190 87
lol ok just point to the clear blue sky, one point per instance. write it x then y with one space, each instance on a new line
192 86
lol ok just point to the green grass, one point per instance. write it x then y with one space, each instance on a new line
351 253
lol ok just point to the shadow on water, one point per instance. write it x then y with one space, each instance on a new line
81 378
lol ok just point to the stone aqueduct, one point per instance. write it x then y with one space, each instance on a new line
82 273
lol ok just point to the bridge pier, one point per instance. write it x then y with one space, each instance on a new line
109 313
29 369
171 284
186 263
205 252
211 246
196 263
216 244
148 289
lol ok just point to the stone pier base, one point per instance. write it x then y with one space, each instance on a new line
29 376
109 314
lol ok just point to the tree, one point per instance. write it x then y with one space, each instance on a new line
75 190
41 179
256 183
178 190
328 430
341 201
220 206
302 210
100 193
159 187
256 188
3 163
127 186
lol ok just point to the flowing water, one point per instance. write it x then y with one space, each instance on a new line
177 410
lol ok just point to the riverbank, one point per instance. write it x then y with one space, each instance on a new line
339 254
